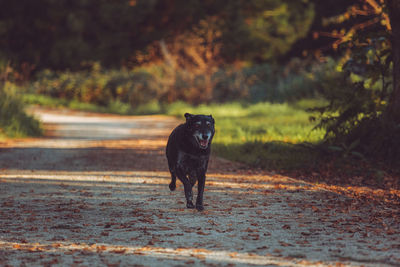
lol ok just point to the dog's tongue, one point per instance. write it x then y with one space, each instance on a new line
203 143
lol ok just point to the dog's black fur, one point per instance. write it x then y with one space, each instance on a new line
188 151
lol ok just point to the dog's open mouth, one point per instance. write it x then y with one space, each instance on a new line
202 143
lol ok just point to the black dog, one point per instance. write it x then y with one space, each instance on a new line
188 151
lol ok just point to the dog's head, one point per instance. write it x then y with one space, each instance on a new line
201 128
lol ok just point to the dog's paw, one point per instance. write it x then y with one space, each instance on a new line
199 207
172 186
190 205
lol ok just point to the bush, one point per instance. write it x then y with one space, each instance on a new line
160 83
98 87
355 119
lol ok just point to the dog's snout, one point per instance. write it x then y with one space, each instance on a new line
205 136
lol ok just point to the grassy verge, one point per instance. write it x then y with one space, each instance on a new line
271 136
14 122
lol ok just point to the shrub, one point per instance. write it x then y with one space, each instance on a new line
160 83
355 118
99 86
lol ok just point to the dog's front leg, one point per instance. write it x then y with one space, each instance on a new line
172 184
200 190
187 187
188 194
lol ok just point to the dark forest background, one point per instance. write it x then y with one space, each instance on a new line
63 34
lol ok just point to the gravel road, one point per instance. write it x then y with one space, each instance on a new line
94 192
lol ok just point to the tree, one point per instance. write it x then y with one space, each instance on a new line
62 34
364 108
394 14
387 13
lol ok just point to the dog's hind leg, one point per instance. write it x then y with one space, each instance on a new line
172 184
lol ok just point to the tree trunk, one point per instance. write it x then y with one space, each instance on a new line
394 14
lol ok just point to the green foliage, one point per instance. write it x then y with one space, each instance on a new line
262 30
156 84
266 82
275 29
114 107
14 122
355 119
349 104
98 86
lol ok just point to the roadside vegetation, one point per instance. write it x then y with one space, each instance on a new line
14 121
126 91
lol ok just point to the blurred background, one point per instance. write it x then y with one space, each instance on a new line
195 51
274 73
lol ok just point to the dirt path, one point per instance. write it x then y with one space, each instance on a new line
94 192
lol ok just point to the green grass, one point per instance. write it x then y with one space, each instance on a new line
272 136
14 122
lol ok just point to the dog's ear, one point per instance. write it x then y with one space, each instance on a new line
212 118
188 116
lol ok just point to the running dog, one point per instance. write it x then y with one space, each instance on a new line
188 150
